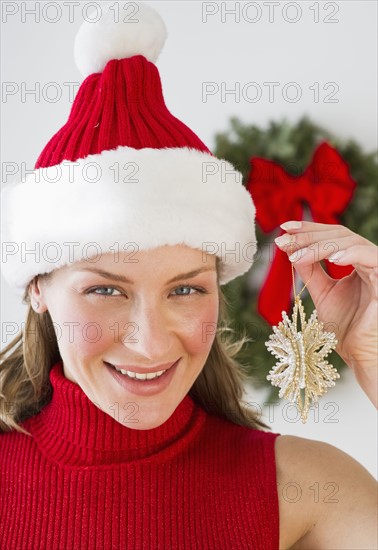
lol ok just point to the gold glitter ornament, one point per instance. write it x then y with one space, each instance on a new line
301 367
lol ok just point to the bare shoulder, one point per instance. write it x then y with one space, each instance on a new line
326 498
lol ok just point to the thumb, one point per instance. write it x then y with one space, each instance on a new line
317 281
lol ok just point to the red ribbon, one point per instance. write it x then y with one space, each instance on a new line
326 187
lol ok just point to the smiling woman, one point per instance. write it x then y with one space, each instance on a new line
139 324
122 409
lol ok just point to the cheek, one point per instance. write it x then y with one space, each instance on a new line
200 330
78 327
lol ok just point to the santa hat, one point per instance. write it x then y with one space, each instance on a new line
123 172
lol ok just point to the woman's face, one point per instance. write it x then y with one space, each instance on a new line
156 317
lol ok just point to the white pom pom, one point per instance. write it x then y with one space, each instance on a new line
118 33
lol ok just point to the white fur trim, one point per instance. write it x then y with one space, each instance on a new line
162 196
118 34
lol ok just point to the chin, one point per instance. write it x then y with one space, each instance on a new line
147 423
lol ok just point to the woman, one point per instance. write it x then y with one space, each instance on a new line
93 455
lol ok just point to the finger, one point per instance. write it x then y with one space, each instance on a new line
299 250
317 281
358 255
362 255
329 242
306 225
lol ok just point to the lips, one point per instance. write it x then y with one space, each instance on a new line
144 388
143 370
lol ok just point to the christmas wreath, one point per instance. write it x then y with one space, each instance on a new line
291 147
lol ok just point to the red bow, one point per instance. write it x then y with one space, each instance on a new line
326 187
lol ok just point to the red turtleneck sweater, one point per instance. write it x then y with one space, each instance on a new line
85 481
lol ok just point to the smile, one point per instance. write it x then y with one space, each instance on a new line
146 376
143 384
142 374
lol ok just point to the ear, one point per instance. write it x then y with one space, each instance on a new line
37 295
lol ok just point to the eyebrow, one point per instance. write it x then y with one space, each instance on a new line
123 279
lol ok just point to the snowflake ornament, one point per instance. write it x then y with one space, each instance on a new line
301 354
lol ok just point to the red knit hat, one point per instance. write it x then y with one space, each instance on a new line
123 171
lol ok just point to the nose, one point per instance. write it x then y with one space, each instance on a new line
149 331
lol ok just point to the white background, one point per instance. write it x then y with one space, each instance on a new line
221 50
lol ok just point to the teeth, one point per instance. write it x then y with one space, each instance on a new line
147 376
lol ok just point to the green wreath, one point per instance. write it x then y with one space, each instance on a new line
290 145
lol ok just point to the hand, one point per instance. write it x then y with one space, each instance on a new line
350 303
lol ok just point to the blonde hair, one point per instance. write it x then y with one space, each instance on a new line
25 364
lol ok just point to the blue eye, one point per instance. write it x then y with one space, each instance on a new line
93 291
196 289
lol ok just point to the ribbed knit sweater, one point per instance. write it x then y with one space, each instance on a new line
86 481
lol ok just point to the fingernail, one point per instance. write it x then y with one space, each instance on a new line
298 254
283 240
336 255
291 225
